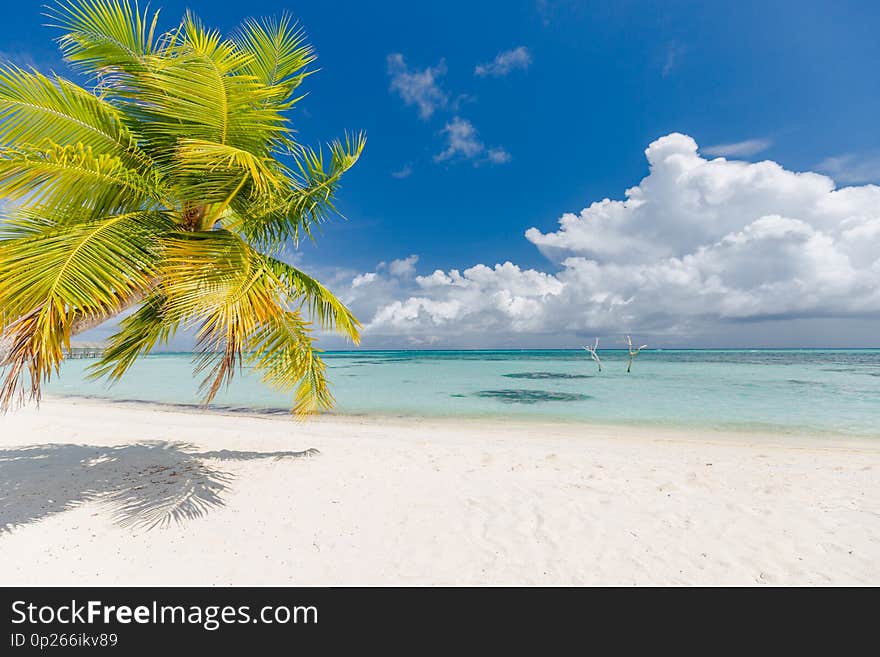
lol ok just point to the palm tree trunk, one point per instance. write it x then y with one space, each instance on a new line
83 323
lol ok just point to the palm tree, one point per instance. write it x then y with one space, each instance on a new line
168 186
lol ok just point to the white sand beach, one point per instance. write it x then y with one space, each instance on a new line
94 493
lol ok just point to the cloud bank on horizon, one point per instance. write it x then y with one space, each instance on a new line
697 247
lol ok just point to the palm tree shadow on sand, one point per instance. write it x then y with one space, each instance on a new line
144 485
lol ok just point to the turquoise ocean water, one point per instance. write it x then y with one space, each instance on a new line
791 390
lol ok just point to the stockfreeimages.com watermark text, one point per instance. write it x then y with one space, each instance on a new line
210 617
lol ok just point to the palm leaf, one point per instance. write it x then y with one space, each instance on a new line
282 351
75 176
48 281
210 172
138 334
278 51
322 306
102 35
231 293
84 267
35 109
307 203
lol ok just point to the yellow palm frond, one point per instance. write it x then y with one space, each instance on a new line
230 292
308 199
138 333
74 176
35 109
104 34
49 281
213 172
320 304
282 351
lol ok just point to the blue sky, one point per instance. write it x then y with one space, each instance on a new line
585 89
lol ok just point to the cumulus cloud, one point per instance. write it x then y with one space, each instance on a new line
697 247
739 148
463 142
404 266
418 87
401 268
363 279
505 62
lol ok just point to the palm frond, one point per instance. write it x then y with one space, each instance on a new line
35 109
191 98
309 200
101 36
214 284
217 283
74 176
210 172
279 52
49 281
138 334
322 305
81 268
282 350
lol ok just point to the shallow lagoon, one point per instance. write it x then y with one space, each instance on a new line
786 390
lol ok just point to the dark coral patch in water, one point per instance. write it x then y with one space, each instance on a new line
514 396
801 382
545 375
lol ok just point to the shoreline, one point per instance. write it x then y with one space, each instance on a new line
739 431
96 493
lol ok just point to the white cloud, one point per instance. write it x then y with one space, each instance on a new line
498 156
505 62
418 87
461 139
698 248
404 266
404 172
422 89
674 54
363 279
463 142
738 148
401 268
851 168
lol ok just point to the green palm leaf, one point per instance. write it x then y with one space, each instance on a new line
328 311
138 334
73 177
279 53
35 109
101 35
50 281
282 351
308 201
